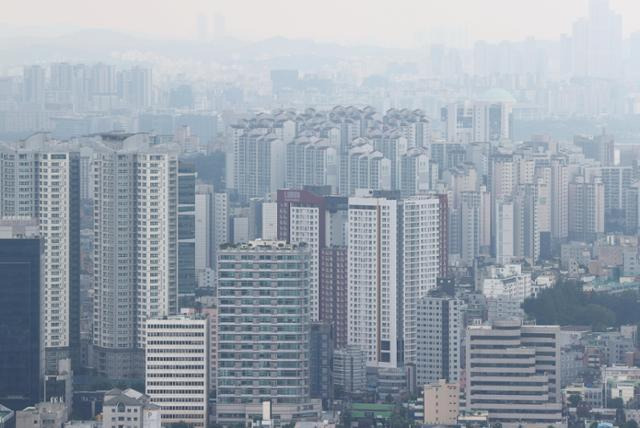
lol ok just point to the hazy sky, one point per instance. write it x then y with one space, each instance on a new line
384 22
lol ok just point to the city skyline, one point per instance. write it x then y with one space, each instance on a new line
405 24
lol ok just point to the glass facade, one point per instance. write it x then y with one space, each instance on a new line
20 344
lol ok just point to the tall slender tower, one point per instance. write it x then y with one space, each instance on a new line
41 179
135 248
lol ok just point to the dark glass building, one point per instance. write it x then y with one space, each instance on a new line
21 353
186 229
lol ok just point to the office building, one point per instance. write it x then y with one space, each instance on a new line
349 370
177 368
513 372
321 363
272 327
21 323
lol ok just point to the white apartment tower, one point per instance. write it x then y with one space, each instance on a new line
393 260
420 263
373 293
135 248
256 159
304 227
177 368
41 179
212 225
440 326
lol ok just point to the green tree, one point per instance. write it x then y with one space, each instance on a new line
616 403
574 400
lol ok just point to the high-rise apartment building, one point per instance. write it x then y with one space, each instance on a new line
187 178
393 259
177 368
33 86
311 161
419 263
513 372
440 330
263 341
586 209
374 295
334 280
256 162
368 168
41 179
559 199
301 219
135 249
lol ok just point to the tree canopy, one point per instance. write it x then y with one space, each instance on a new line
568 304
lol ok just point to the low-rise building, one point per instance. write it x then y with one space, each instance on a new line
129 409
441 403
349 369
51 414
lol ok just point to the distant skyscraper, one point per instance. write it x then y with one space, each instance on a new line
33 91
616 180
137 87
586 209
256 162
21 323
504 230
597 42
311 162
368 168
201 24
418 173
559 199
